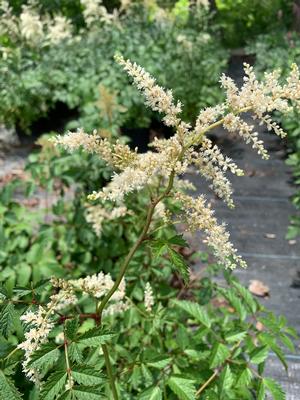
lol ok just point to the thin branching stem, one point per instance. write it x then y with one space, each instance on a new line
110 374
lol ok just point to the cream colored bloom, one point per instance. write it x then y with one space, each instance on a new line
59 29
96 215
148 297
189 146
31 26
41 323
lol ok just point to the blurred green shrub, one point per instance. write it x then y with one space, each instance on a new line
241 20
185 53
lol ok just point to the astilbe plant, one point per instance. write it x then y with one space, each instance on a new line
225 347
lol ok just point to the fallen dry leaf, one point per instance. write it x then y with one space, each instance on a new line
258 288
259 326
270 235
292 242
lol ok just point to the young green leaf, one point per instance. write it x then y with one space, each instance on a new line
179 263
75 353
219 354
154 393
178 240
274 388
247 296
54 385
86 376
71 327
95 337
182 387
196 311
46 356
87 393
235 337
261 395
160 364
259 354
7 389
236 303
244 378
7 316
225 381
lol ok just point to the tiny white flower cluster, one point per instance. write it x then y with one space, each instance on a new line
59 29
212 165
148 297
156 97
33 28
199 216
189 146
96 215
97 285
41 322
202 3
95 11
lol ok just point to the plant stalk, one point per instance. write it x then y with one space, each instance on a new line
135 247
122 272
110 374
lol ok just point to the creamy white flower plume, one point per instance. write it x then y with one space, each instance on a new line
148 297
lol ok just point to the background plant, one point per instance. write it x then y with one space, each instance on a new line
242 20
80 64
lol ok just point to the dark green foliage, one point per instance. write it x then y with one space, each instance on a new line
242 20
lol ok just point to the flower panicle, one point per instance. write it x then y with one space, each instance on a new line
190 146
157 98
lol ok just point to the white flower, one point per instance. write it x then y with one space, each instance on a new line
148 297
59 29
41 323
31 26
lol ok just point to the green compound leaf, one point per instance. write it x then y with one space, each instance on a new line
245 378
7 316
261 395
179 263
235 337
87 376
246 295
95 337
259 355
71 326
178 240
236 303
87 393
154 393
226 380
46 356
196 311
54 385
7 389
160 363
182 387
219 354
75 353
274 388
